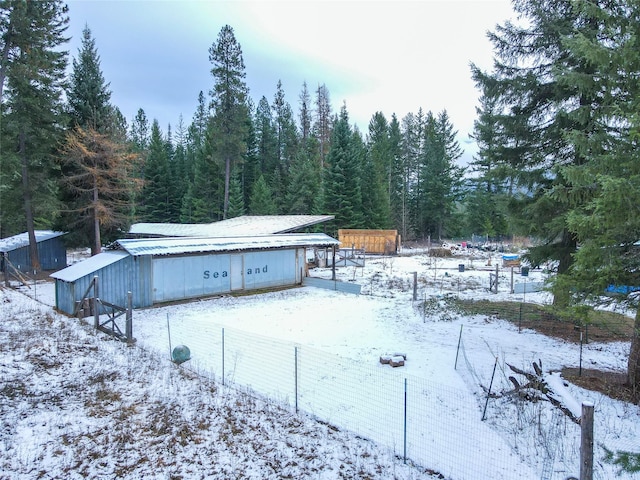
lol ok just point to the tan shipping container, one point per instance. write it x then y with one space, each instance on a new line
384 242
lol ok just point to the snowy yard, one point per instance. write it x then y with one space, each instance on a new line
318 351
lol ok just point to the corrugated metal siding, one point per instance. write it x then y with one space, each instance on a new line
52 253
114 281
274 268
175 278
179 277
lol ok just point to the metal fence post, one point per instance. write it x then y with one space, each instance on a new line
405 421
586 444
296 376
223 356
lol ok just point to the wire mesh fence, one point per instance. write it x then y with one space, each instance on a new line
431 425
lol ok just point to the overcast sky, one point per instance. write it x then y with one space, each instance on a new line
388 56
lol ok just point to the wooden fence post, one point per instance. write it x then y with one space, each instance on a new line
129 322
586 444
96 314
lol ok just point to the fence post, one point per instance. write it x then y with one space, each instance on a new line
94 301
484 412
455 365
223 356
405 421
586 445
415 286
129 324
169 334
296 375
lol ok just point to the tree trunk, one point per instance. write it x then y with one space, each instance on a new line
96 248
28 210
566 249
633 370
227 176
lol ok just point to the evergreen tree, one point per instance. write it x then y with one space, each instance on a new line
323 124
287 143
155 198
33 67
88 96
236 198
396 180
262 202
139 132
412 136
200 202
304 114
304 187
266 139
375 185
229 100
342 194
545 92
603 189
89 108
441 178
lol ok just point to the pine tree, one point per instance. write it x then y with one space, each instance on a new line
229 101
33 67
396 180
139 132
89 95
155 196
89 108
266 139
342 194
304 186
603 190
262 202
304 114
441 178
287 144
545 92
236 198
412 129
323 123
375 185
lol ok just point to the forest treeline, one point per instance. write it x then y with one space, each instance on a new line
558 132
91 172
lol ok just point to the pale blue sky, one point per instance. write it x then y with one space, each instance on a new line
388 56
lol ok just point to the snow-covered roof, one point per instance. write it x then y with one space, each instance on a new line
238 226
173 246
90 265
22 239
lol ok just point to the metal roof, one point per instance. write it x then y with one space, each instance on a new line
90 265
22 239
238 226
180 245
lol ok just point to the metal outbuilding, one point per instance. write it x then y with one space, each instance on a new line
158 270
15 254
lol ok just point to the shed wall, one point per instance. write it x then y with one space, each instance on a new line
52 253
114 281
180 277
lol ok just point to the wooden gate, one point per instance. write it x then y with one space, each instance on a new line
94 306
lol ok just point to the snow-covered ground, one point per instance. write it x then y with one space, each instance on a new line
318 351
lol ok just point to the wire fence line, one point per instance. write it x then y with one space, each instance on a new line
431 425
